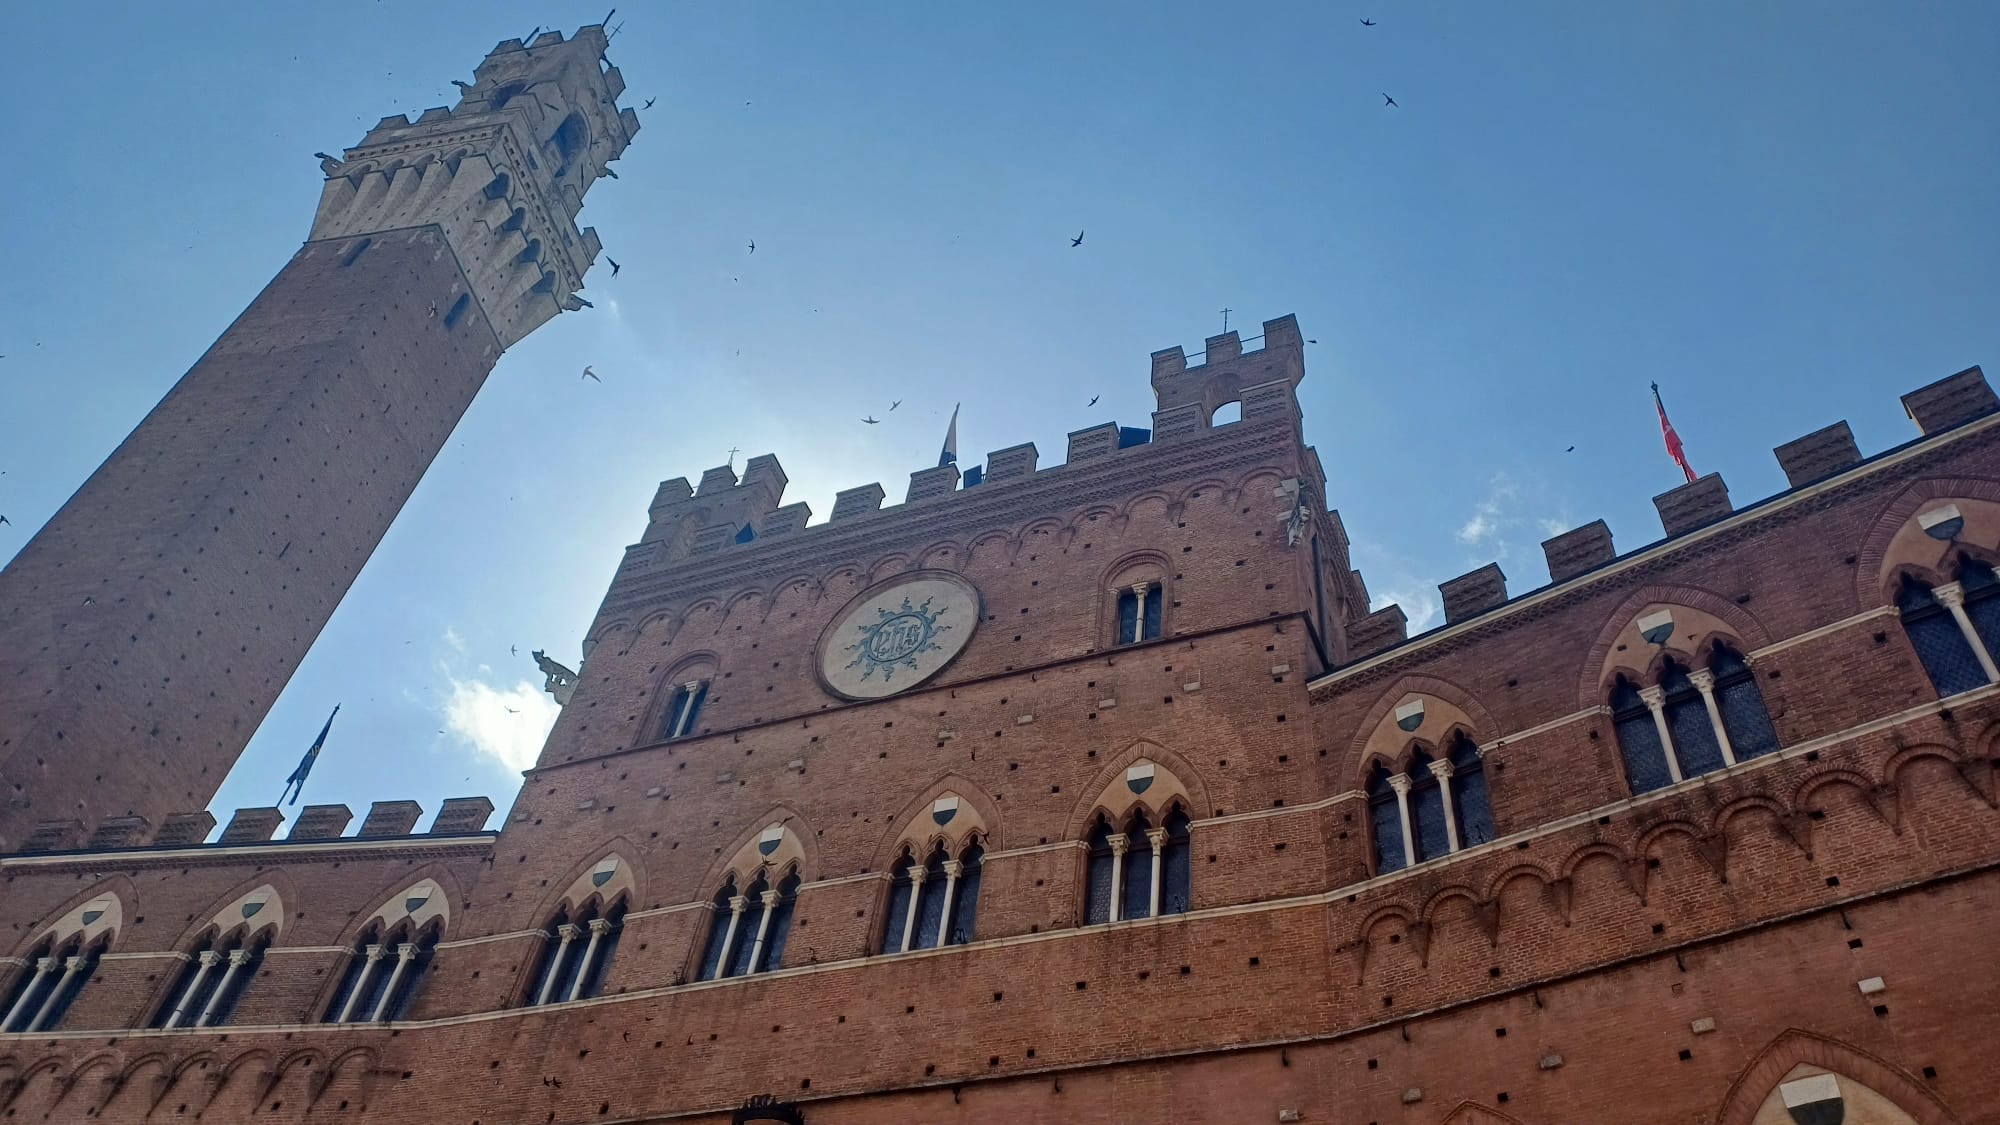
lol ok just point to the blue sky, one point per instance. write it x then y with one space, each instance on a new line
1784 213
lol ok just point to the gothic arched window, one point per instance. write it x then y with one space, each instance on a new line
1136 898
965 899
748 932
1427 820
1941 644
1741 705
933 905
1177 865
48 984
931 897
896 919
1385 823
217 973
1469 803
1696 746
383 974
1982 600
1099 870
1638 739
1139 610
683 710
576 953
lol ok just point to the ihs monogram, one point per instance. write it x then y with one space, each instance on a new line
897 639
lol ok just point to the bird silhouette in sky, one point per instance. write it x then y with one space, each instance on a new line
649 103
1312 341
513 650
614 264
509 710
1365 22
4 519
895 404
1078 240
870 420
1389 101
1571 449
1092 402
753 246
589 374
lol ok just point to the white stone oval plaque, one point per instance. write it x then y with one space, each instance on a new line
897 635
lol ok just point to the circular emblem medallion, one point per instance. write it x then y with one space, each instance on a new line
898 635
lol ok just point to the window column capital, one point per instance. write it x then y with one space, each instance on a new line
569 932
1441 769
1400 782
738 904
953 868
1653 696
1157 837
208 958
1703 680
1120 844
769 899
238 957
693 686
1140 588
1951 595
51 964
406 951
374 951
918 873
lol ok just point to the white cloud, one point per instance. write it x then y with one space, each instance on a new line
452 638
1553 528
507 724
1421 608
1482 524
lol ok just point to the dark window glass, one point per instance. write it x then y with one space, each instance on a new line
350 975
1982 600
1136 895
72 984
607 948
746 930
930 901
569 960
1468 794
1128 612
181 984
413 977
1687 717
238 983
773 954
1176 866
1638 740
29 987
1427 811
898 911
1097 899
1940 644
718 933
378 981
1385 823
965 901
1156 601
1742 706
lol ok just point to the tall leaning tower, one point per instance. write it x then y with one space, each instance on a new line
146 630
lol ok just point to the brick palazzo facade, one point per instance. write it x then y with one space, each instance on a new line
1086 793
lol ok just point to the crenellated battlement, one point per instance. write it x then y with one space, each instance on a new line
723 513
1809 461
386 820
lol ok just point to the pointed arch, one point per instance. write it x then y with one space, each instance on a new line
1795 1046
913 823
1472 1113
800 847
1700 616
579 889
66 921
1459 706
1895 540
1107 794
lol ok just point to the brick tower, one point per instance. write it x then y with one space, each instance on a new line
146 630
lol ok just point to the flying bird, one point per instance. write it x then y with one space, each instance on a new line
1389 101
1365 22
871 420
895 404
509 710
753 246
1312 341
1092 402
4 519
1571 449
649 103
614 262
589 374
1078 240
513 650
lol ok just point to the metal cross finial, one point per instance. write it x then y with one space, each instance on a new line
733 451
1225 318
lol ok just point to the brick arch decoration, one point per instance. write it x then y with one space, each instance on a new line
102 1060
118 887
1796 1045
1886 545
1463 711
1113 773
912 823
734 857
1744 628
1472 1113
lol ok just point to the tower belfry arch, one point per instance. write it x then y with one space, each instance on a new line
146 630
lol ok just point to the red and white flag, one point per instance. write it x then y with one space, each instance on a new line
1673 439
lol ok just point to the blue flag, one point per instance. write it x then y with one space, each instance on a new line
295 785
